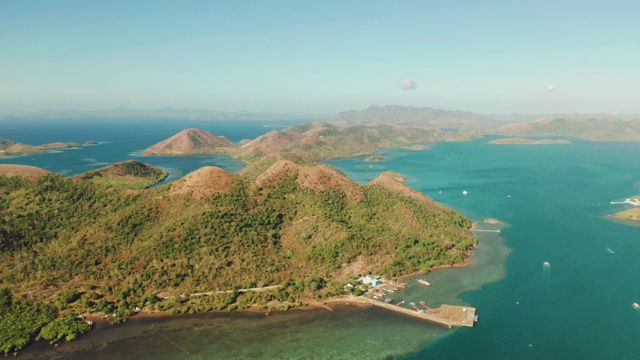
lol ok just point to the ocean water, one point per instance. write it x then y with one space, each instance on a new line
124 139
555 199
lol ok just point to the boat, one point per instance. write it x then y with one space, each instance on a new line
475 318
424 305
464 192
423 282
546 263
413 305
610 251
636 306
400 303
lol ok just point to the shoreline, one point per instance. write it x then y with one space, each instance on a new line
100 323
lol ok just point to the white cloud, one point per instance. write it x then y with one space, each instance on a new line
408 84
551 88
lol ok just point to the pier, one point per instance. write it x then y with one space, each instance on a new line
448 315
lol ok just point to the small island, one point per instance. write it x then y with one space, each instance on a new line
631 215
492 221
14 148
374 158
525 141
190 142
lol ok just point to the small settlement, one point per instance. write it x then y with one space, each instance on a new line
377 291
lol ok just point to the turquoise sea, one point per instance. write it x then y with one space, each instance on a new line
555 199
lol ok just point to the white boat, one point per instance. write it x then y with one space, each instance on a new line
464 192
423 282
636 306
546 263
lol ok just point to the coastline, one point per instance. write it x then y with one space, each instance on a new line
309 304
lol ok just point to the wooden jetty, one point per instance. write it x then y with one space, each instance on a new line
448 315
486 230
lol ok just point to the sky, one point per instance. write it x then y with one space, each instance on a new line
327 56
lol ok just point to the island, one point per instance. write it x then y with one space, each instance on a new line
631 215
14 148
374 158
492 221
309 142
525 141
279 234
190 142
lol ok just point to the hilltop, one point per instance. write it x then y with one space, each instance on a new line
129 174
190 142
25 171
204 183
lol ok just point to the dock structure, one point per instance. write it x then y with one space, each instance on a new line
486 230
448 315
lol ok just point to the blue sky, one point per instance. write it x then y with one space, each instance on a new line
321 56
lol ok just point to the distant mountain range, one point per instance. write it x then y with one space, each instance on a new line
164 113
397 114
597 127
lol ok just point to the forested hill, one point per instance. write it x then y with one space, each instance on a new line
309 142
80 247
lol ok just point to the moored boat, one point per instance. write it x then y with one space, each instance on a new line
636 306
423 282
400 303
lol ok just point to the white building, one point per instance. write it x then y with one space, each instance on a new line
371 281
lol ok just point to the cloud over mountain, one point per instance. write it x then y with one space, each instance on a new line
408 84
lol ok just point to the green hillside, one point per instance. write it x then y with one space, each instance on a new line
78 247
